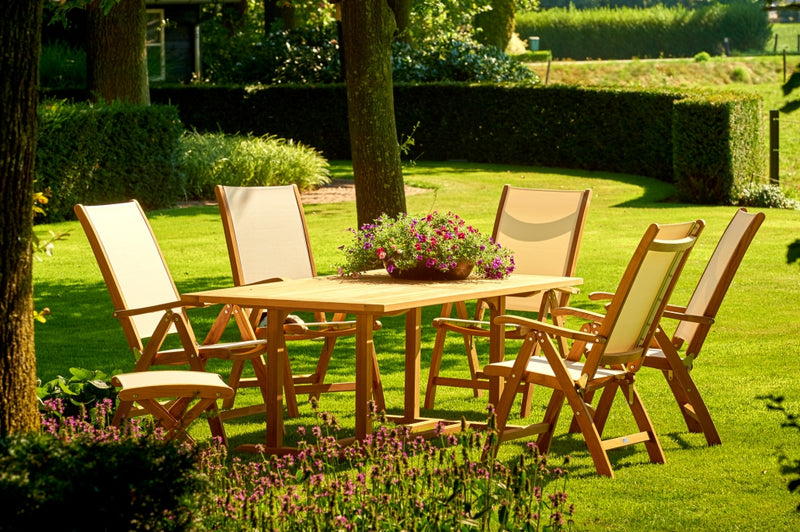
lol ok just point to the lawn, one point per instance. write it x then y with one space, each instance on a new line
751 353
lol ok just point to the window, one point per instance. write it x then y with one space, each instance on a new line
154 43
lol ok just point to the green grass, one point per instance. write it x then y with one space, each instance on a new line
751 352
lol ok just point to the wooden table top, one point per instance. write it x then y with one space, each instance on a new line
374 292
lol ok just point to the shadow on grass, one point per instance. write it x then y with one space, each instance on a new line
789 466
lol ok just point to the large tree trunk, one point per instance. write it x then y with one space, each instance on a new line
20 35
497 24
402 13
368 27
116 61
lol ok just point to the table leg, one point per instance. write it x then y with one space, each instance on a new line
497 346
364 371
276 362
412 369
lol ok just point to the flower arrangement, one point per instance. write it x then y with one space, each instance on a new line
438 244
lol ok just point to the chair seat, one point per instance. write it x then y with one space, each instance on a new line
540 366
171 383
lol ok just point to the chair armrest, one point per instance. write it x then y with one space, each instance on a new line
683 316
153 308
547 328
597 296
578 313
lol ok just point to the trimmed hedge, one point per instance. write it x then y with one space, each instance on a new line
657 133
98 153
658 31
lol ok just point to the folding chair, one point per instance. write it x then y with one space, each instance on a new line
695 320
614 346
166 394
148 305
544 229
267 237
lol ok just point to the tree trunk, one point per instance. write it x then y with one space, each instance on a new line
116 61
20 35
402 13
497 24
368 27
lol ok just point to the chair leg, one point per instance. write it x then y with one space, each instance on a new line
643 421
551 416
233 381
436 359
590 433
694 410
322 365
377 385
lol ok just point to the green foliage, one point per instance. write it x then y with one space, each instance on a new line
719 147
78 394
452 59
311 54
614 129
210 159
62 66
96 485
94 153
766 195
702 57
657 31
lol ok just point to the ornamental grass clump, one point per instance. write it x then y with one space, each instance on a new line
392 481
437 242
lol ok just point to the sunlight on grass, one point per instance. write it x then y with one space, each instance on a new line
752 351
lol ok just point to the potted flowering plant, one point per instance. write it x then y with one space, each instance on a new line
434 246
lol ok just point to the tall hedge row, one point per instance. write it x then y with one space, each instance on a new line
710 145
105 153
659 31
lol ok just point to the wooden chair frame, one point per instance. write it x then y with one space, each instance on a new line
695 320
544 228
147 302
166 396
267 240
612 347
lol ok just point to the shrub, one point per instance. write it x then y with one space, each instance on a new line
625 33
215 158
766 195
311 55
81 475
94 153
452 59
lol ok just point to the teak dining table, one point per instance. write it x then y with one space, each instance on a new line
370 296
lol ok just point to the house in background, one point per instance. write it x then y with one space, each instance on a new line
173 39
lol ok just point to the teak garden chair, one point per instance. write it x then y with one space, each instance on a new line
150 389
267 238
612 347
695 320
148 305
544 229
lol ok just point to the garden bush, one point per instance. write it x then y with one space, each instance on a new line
310 55
210 159
658 31
93 153
80 475
648 132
